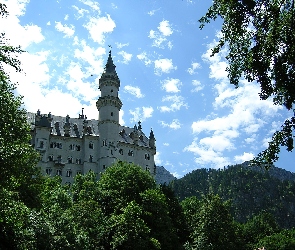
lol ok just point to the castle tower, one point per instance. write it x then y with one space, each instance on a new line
108 106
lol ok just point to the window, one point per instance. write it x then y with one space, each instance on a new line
72 147
58 172
51 145
70 160
78 147
121 151
90 145
112 91
111 152
48 171
147 156
41 144
69 173
79 172
90 158
59 159
112 113
50 158
147 168
104 166
130 153
78 161
59 145
104 142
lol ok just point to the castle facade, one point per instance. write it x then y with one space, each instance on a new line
71 146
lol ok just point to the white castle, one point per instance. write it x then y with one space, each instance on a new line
71 146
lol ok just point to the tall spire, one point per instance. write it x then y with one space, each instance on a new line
110 67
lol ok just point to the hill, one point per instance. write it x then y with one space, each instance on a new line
250 190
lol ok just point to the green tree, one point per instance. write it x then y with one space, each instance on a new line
284 240
260 38
136 209
211 224
17 158
258 227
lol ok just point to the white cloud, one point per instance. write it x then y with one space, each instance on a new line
171 85
77 84
244 157
198 86
175 124
126 57
207 156
177 102
80 12
195 65
166 144
121 45
160 37
92 56
18 34
143 57
92 4
141 114
68 31
66 17
164 66
121 114
243 113
133 91
158 160
98 26
165 28
152 12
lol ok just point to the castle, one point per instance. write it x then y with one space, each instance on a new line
71 146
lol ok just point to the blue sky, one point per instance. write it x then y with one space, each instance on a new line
168 80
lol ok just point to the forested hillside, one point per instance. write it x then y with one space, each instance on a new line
249 190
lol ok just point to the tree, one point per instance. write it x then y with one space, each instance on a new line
260 38
137 211
17 158
258 227
210 222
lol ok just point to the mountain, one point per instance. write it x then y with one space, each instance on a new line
249 189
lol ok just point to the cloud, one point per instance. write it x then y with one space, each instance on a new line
80 12
92 4
92 57
98 26
158 160
141 114
152 12
206 155
77 85
68 31
171 85
121 45
133 91
243 113
164 66
176 103
160 37
198 86
244 157
19 35
195 65
175 124
126 57
143 57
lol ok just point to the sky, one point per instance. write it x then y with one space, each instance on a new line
169 81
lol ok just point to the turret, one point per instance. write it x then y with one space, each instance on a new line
108 106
